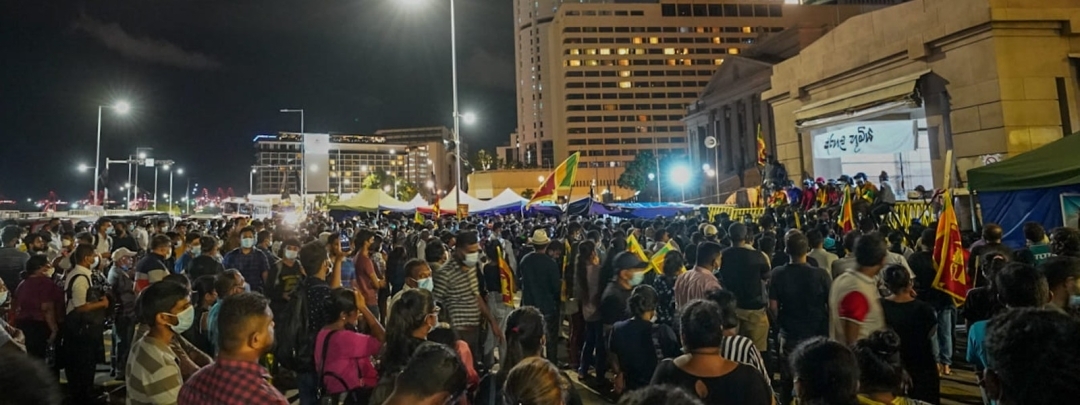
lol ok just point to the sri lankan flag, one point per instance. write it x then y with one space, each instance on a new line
418 217
847 218
435 210
950 257
506 276
562 179
760 147
657 262
634 247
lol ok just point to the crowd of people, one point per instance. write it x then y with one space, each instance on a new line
501 310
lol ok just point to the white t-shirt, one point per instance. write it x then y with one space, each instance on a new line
78 288
854 297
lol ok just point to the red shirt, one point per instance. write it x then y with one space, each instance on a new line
32 293
364 269
230 382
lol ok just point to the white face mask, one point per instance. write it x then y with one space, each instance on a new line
186 318
291 254
472 258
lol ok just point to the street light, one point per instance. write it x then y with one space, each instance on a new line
469 118
681 175
121 107
659 197
303 174
84 167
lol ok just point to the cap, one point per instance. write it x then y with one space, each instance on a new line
627 260
540 237
709 230
122 252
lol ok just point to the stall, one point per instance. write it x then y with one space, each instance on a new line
1041 185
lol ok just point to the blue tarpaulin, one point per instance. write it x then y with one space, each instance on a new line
1012 209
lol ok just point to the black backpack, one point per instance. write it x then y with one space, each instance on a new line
294 346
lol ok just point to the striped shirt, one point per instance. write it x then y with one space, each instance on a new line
457 291
740 349
693 285
153 373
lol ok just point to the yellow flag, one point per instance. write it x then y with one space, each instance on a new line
634 247
657 262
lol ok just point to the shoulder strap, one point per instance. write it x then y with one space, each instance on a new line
71 283
325 349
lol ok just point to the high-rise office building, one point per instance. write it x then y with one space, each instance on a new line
338 167
611 78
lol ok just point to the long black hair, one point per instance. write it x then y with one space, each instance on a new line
524 332
879 363
827 371
409 313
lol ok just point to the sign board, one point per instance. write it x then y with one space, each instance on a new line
866 138
1070 210
462 211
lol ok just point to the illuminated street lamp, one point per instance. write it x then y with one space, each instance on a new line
681 175
659 197
121 107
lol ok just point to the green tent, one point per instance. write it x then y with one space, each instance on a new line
1052 165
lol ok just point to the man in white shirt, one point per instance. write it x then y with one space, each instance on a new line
82 331
854 302
103 243
142 237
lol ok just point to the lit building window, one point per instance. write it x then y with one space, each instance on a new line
590 51
746 30
605 51
639 52
591 62
637 40
625 85
716 40
624 62
669 51
574 62
718 62
733 51
623 51
688 62
671 62
624 73
654 40
575 51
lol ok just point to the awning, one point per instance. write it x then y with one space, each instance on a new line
1074 55
899 89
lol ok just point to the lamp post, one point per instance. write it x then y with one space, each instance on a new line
120 107
303 168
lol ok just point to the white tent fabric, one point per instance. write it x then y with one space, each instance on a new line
506 199
449 201
369 200
417 202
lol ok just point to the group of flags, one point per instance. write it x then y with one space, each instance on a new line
656 263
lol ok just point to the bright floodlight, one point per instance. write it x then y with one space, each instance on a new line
468 118
122 107
252 171
386 189
179 171
430 184
84 167
165 167
680 175
314 168
705 167
142 155
651 176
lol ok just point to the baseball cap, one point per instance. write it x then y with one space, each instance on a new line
709 230
122 252
627 260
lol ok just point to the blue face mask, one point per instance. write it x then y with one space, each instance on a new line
196 250
426 283
638 277
247 243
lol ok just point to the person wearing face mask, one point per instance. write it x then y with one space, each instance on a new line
1063 277
457 288
235 377
102 241
37 302
638 344
192 248
84 323
285 275
251 262
629 273
206 263
152 268
121 280
153 370
411 318
343 355
61 248
368 280
417 275
541 284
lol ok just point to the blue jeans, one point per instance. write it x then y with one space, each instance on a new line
943 341
593 351
308 383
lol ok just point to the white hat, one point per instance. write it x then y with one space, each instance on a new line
540 237
122 252
324 237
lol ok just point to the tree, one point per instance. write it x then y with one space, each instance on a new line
376 179
325 200
636 175
528 193
484 160
406 190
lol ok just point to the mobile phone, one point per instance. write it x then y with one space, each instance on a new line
344 242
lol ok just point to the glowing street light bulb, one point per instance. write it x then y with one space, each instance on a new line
430 184
468 118
122 107
84 167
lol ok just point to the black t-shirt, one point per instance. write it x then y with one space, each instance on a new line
981 304
802 291
922 264
204 266
285 281
742 386
782 259
636 342
741 272
913 321
975 259
613 306
492 282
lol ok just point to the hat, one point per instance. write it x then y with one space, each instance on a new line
709 230
627 260
540 237
122 252
324 237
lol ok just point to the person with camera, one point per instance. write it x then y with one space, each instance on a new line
84 324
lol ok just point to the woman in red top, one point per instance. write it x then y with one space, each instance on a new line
38 303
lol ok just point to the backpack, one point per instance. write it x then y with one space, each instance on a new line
294 348
356 396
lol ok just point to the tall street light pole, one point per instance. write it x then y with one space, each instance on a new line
120 107
457 116
303 168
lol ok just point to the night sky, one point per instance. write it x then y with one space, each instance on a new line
204 76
